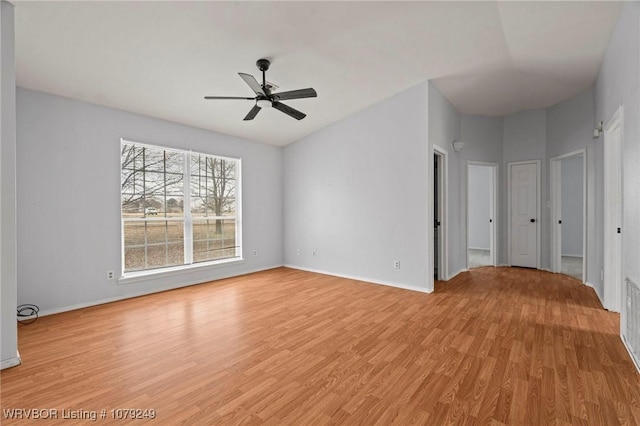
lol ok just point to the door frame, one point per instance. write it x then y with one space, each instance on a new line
613 293
538 210
443 241
493 240
555 166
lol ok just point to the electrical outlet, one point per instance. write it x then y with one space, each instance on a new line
396 264
298 252
110 275
313 253
255 252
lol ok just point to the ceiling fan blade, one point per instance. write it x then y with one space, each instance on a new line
295 94
288 110
253 83
254 111
227 97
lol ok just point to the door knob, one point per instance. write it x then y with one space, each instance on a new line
532 220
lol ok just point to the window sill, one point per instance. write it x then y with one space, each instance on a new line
134 277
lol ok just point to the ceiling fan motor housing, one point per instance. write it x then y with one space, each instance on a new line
263 64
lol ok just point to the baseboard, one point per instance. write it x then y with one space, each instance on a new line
633 359
364 279
11 362
141 293
588 284
452 276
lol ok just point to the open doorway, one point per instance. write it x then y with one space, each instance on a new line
569 214
439 213
481 214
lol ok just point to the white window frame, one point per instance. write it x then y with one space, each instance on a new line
187 220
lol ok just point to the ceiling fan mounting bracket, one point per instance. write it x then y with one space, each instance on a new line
263 64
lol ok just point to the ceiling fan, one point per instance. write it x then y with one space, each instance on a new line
264 96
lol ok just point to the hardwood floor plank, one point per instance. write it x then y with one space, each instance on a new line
493 346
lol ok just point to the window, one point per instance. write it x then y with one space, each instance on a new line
178 207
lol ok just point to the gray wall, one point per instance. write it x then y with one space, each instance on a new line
524 138
572 199
68 163
479 208
8 280
444 128
356 194
619 84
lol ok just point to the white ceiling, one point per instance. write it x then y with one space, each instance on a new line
160 58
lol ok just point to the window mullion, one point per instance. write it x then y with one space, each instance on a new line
188 222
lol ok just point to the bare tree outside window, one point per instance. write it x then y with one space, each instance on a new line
213 187
150 178
213 207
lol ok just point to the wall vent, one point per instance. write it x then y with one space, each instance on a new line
632 330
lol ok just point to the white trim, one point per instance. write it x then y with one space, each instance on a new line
458 273
493 237
633 359
595 290
555 167
11 362
147 292
363 279
187 226
538 208
555 182
154 274
443 242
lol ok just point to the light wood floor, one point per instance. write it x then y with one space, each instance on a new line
492 346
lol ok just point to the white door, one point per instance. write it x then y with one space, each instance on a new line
523 178
613 214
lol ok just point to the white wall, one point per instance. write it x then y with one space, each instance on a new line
479 208
618 84
356 194
8 327
524 138
482 137
572 204
444 129
68 163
